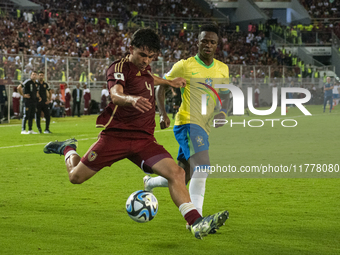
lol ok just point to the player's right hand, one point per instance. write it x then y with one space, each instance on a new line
141 104
220 116
164 121
27 96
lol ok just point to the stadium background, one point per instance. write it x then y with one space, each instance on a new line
41 212
75 42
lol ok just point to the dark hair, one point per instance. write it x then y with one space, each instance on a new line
34 72
209 28
146 37
41 72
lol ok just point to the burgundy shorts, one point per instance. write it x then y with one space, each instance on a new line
113 145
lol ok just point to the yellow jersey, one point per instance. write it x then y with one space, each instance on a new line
201 79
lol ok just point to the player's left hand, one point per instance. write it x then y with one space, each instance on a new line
178 82
219 116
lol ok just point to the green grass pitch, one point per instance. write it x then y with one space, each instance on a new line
41 212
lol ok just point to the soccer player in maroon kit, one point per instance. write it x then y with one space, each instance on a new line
129 123
16 103
87 99
67 101
103 99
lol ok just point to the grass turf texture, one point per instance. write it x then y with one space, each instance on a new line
41 212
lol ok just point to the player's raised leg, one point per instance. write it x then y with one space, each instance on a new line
175 175
200 226
77 171
159 181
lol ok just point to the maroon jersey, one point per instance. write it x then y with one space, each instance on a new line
136 83
16 103
103 102
67 99
87 98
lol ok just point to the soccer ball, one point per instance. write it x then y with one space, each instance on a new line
142 206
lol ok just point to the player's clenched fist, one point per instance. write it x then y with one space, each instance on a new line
164 121
220 116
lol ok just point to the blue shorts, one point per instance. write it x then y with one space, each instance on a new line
191 139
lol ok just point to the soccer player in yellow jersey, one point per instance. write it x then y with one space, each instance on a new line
202 72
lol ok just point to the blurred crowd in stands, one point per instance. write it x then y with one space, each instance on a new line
125 9
64 29
75 41
324 9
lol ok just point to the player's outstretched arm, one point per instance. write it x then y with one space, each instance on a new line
119 98
164 120
176 83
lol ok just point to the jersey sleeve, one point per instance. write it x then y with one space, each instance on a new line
176 71
225 75
117 74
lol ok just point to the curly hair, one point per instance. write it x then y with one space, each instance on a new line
209 28
146 38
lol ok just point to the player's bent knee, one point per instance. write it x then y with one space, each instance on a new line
177 173
76 179
80 174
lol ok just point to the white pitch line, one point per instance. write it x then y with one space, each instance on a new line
82 139
163 130
33 144
14 125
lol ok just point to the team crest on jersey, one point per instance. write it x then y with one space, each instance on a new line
209 81
119 76
45 86
199 140
92 156
138 74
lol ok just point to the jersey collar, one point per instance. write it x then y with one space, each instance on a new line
202 63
